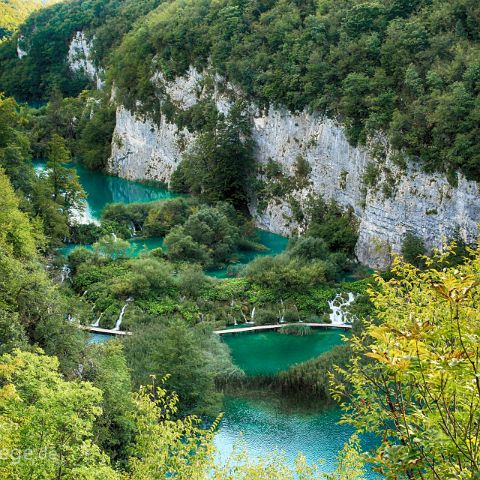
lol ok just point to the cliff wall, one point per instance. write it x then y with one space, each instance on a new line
387 197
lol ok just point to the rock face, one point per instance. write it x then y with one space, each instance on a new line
20 51
80 58
397 200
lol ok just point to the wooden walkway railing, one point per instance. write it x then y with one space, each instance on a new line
106 331
279 325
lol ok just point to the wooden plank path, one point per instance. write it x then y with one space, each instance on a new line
253 328
104 330
343 326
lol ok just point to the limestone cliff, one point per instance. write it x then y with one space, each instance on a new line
80 58
388 197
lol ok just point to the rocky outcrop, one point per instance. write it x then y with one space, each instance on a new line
80 58
400 197
21 49
142 150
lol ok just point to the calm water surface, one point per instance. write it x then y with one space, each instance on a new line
266 424
265 353
265 428
103 189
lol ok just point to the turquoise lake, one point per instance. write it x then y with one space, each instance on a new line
268 424
103 189
266 353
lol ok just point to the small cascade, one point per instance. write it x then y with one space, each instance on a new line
118 323
65 273
97 321
132 229
338 315
252 316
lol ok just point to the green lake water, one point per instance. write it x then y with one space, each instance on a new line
103 189
269 424
265 353
265 428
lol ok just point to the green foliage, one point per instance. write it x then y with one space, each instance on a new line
107 370
296 329
378 67
112 247
49 417
265 317
193 357
95 135
165 215
46 36
413 249
14 12
66 189
219 166
423 360
209 236
312 377
329 222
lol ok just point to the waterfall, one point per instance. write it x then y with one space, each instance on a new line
338 316
65 274
97 321
252 317
118 323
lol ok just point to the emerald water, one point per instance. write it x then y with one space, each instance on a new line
267 353
270 424
138 245
102 189
265 427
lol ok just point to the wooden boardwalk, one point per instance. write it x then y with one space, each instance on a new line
105 331
253 328
277 326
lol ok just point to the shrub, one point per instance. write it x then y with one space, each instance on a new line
413 249
298 329
265 317
291 315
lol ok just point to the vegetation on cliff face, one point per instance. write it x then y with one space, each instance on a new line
409 372
407 69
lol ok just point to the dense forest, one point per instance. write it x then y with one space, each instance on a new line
405 69
15 12
147 405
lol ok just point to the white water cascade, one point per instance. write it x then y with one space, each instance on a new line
65 274
118 323
338 315
97 321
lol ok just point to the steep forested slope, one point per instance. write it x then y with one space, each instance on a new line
46 35
14 12
410 69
